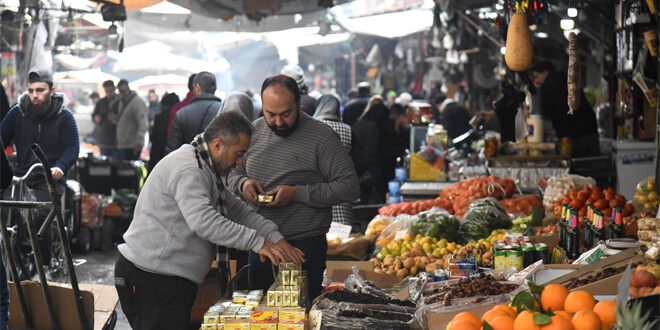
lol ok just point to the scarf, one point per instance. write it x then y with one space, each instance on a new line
203 157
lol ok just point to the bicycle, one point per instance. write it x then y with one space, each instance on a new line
19 240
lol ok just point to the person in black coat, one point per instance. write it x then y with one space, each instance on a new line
355 107
371 132
158 136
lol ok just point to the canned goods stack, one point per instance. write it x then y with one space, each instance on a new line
288 290
519 255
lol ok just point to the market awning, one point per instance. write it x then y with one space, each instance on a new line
95 76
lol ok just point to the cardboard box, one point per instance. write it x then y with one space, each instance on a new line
263 326
284 326
99 302
551 240
292 315
553 271
264 316
340 270
606 286
440 320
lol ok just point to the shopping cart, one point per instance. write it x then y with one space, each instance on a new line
55 213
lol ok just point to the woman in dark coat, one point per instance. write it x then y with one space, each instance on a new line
371 132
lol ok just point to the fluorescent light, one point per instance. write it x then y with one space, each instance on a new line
492 15
541 35
498 6
503 50
567 24
166 7
572 12
533 27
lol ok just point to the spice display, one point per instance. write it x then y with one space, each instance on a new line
481 285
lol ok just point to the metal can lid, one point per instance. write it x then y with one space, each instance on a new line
508 247
528 248
541 246
513 253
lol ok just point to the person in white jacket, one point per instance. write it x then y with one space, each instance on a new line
182 213
132 123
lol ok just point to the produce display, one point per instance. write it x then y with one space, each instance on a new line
603 200
456 198
645 280
549 229
645 197
376 226
522 204
649 236
436 225
474 286
483 216
560 185
605 273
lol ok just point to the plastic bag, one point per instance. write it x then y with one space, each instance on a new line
482 217
400 226
343 315
377 225
436 223
560 185
646 198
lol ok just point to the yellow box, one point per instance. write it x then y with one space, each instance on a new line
287 326
263 326
286 297
295 298
270 298
292 315
211 317
235 325
295 274
285 276
264 317
278 298
209 326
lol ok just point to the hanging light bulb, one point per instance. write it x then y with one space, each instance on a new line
572 12
567 24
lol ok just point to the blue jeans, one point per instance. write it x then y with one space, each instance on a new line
260 275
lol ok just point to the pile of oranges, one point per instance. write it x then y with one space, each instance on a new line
575 310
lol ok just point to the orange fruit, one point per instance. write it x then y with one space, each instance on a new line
564 314
586 320
467 316
558 323
462 325
579 300
493 313
525 321
606 310
553 297
501 323
508 309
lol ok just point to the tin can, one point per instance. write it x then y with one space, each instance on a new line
528 254
524 239
440 275
514 259
541 252
500 259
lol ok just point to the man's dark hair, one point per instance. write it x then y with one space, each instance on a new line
543 66
206 82
352 94
169 99
190 81
152 91
94 95
284 81
439 98
109 83
122 82
227 126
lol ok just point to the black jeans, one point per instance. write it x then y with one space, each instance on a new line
260 275
41 193
153 301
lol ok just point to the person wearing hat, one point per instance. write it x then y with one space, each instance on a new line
41 117
307 103
354 108
105 132
132 123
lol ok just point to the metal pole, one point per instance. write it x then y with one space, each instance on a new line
63 236
46 225
27 321
40 269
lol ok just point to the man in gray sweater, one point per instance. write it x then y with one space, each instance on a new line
302 162
182 212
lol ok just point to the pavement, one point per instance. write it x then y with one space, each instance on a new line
99 268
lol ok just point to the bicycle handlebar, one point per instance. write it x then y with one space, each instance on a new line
29 171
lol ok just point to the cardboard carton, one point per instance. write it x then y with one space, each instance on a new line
340 270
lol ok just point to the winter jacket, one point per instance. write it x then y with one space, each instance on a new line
307 104
105 133
354 109
55 132
6 172
192 120
132 122
178 107
176 224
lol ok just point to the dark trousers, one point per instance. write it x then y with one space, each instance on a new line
260 275
126 154
41 193
152 301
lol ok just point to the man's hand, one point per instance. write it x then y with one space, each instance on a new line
291 253
112 117
486 114
137 150
284 195
251 190
271 251
57 173
97 119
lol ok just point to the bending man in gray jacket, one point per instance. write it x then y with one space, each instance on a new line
182 212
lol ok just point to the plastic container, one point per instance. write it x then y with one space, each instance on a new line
535 128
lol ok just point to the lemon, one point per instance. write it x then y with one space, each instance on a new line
652 196
443 251
385 251
427 246
640 199
404 250
408 237
651 184
380 255
648 206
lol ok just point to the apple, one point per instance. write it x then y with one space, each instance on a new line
633 292
643 278
645 291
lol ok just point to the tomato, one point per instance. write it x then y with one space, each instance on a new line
573 194
607 212
621 199
582 196
583 211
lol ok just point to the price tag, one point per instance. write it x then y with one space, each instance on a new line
339 230
400 234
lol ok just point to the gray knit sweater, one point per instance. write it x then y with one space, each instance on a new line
313 159
176 225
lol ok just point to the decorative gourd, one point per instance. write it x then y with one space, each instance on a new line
518 55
